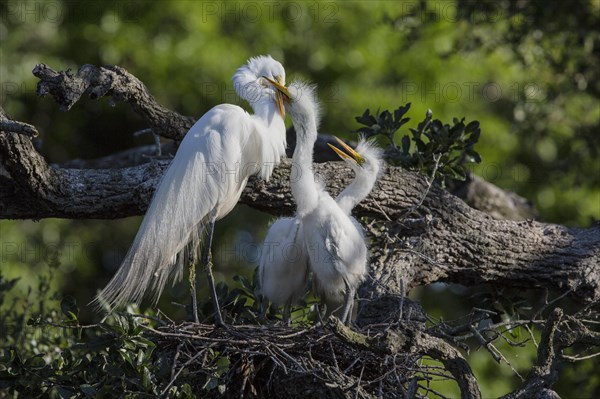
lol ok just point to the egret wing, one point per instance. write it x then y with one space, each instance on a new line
283 268
199 185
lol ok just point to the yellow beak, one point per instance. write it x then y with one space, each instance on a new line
281 94
350 154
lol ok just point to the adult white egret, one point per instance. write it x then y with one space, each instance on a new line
204 182
332 239
284 264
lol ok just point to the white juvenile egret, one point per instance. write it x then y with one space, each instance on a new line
284 262
204 182
283 268
366 160
332 239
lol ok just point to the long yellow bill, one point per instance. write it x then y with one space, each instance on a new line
349 154
281 94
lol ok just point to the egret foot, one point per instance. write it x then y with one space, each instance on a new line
321 313
287 313
346 315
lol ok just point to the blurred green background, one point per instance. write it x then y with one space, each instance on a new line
527 70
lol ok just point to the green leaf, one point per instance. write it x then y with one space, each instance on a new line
366 119
8 285
405 144
403 121
64 392
36 362
146 378
223 364
474 155
88 390
68 305
399 113
472 127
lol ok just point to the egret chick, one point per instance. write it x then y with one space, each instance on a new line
335 244
367 163
283 268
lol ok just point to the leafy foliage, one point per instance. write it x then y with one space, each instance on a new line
53 355
50 353
441 149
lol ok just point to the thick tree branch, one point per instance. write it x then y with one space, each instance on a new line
450 241
117 83
494 201
447 241
120 85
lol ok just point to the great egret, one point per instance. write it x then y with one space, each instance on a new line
322 231
204 182
366 160
283 268
284 263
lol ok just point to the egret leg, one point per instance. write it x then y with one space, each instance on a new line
157 143
348 299
321 312
192 266
207 261
264 306
287 313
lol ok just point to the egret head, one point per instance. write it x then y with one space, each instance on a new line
261 80
303 106
367 158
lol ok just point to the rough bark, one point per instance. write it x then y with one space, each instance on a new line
441 240
444 240
116 83
494 201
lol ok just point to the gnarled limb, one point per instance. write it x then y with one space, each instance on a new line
406 340
67 88
449 241
560 332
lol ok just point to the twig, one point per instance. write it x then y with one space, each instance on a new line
170 384
579 358
548 304
429 182
175 357
412 388
484 342
531 335
358 382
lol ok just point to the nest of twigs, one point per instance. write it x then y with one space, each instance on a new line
324 361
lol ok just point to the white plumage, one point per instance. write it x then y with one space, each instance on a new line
205 180
322 232
283 268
